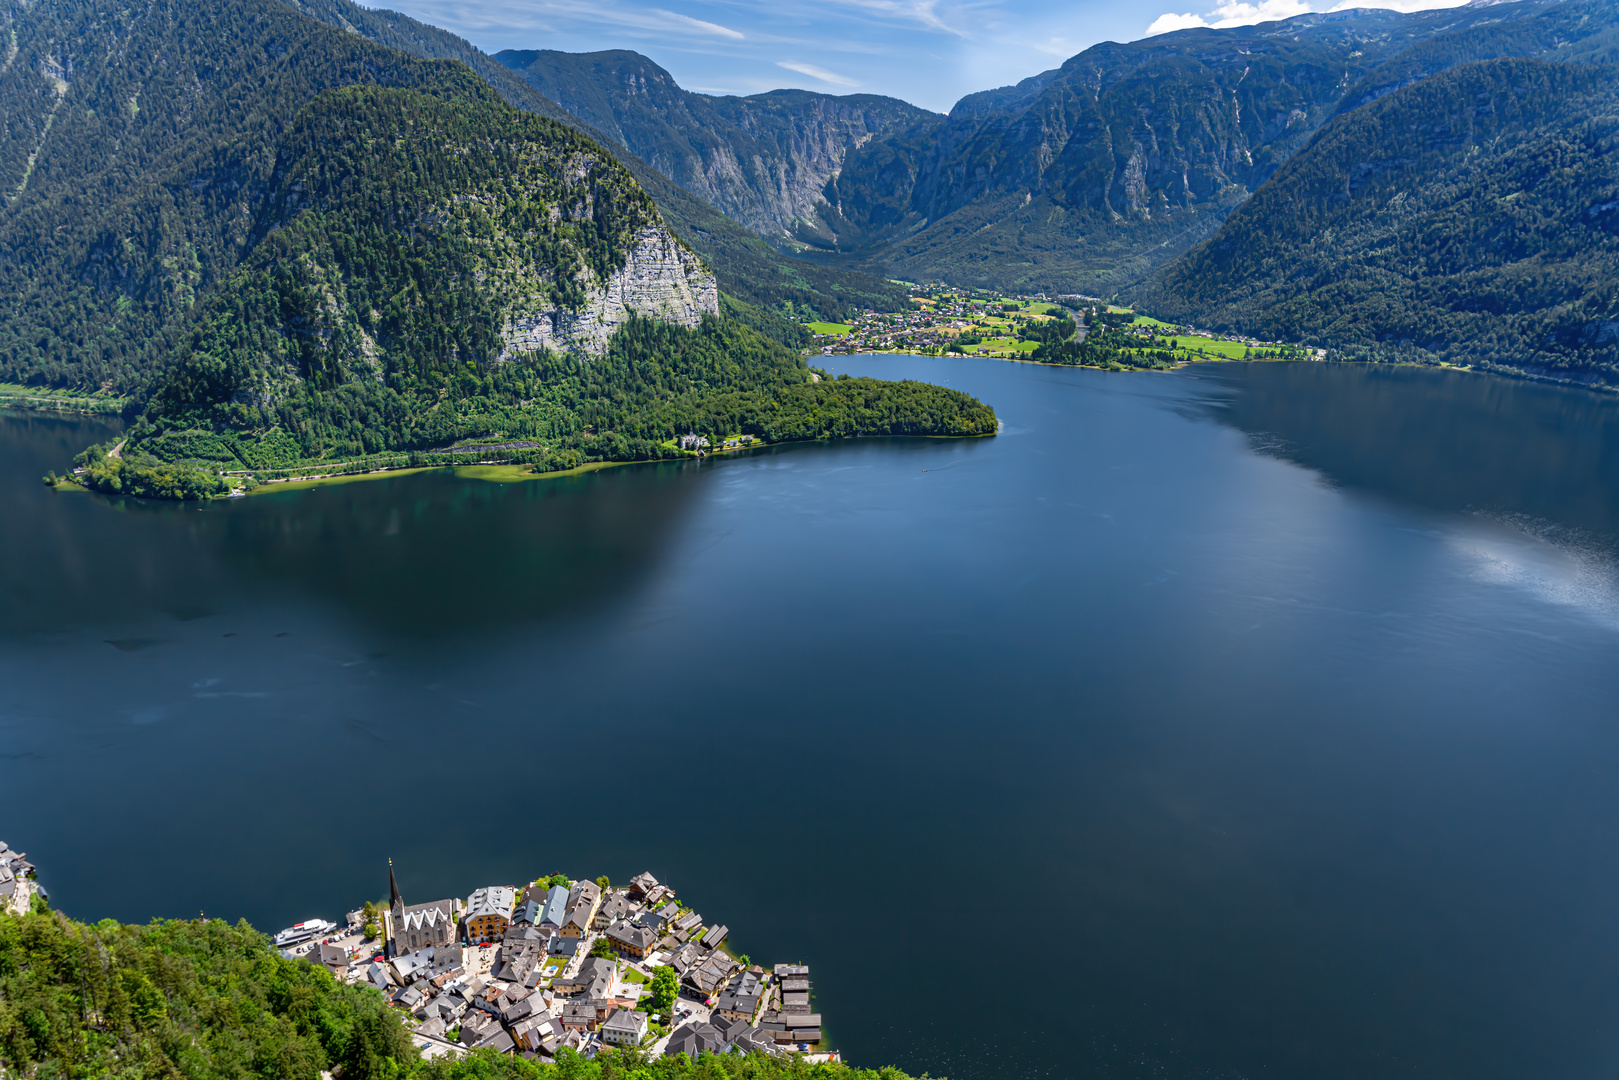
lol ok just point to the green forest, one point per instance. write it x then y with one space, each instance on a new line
205 1000
368 318
1472 218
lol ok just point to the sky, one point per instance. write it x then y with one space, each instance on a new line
928 52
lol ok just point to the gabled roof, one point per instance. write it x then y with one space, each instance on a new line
435 913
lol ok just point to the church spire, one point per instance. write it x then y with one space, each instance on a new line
394 900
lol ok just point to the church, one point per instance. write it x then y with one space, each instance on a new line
420 925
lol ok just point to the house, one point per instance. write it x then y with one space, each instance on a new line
613 909
685 958
555 910
625 1028
631 940
563 946
497 1040
706 979
579 1016
413 965
689 920
489 912
530 1034
693 1040
740 998
419 926
332 957
577 924
594 979
715 935
585 893
528 913
642 884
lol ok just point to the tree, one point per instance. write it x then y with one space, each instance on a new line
604 883
665 988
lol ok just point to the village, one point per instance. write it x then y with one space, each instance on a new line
559 964
975 323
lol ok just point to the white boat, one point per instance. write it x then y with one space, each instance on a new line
303 931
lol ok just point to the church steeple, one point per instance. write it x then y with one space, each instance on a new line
394 900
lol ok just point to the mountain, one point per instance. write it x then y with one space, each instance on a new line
1470 218
1084 178
430 269
293 245
140 143
763 160
1087 177
748 269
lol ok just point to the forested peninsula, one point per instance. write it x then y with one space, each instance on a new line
202 998
288 250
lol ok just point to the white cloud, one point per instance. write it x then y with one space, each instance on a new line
1169 21
1240 13
702 27
816 73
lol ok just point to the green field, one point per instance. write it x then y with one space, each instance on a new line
829 328
1229 350
631 975
1148 320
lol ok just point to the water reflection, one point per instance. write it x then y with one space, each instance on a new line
1529 454
422 556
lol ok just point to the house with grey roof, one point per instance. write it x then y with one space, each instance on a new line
489 911
555 911
626 1027
740 998
612 909
631 940
707 978
715 935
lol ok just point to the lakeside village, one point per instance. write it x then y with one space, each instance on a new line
977 323
566 964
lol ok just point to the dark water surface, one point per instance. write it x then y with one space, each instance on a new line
1248 721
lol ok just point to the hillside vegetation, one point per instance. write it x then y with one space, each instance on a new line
1472 217
783 289
405 236
203 999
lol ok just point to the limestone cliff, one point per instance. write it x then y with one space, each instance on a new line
660 279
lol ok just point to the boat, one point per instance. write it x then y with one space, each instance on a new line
303 931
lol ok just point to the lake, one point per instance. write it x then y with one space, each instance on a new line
1241 721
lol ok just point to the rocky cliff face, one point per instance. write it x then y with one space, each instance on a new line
762 160
660 279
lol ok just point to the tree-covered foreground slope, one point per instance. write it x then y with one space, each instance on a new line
1472 217
430 270
204 1000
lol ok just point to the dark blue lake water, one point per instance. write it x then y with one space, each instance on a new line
1245 721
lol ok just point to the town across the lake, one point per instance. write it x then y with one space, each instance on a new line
946 320
559 963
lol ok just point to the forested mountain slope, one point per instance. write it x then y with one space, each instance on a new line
747 267
1472 218
1087 177
762 159
429 269
139 144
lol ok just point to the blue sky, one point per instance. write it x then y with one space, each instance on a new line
929 52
